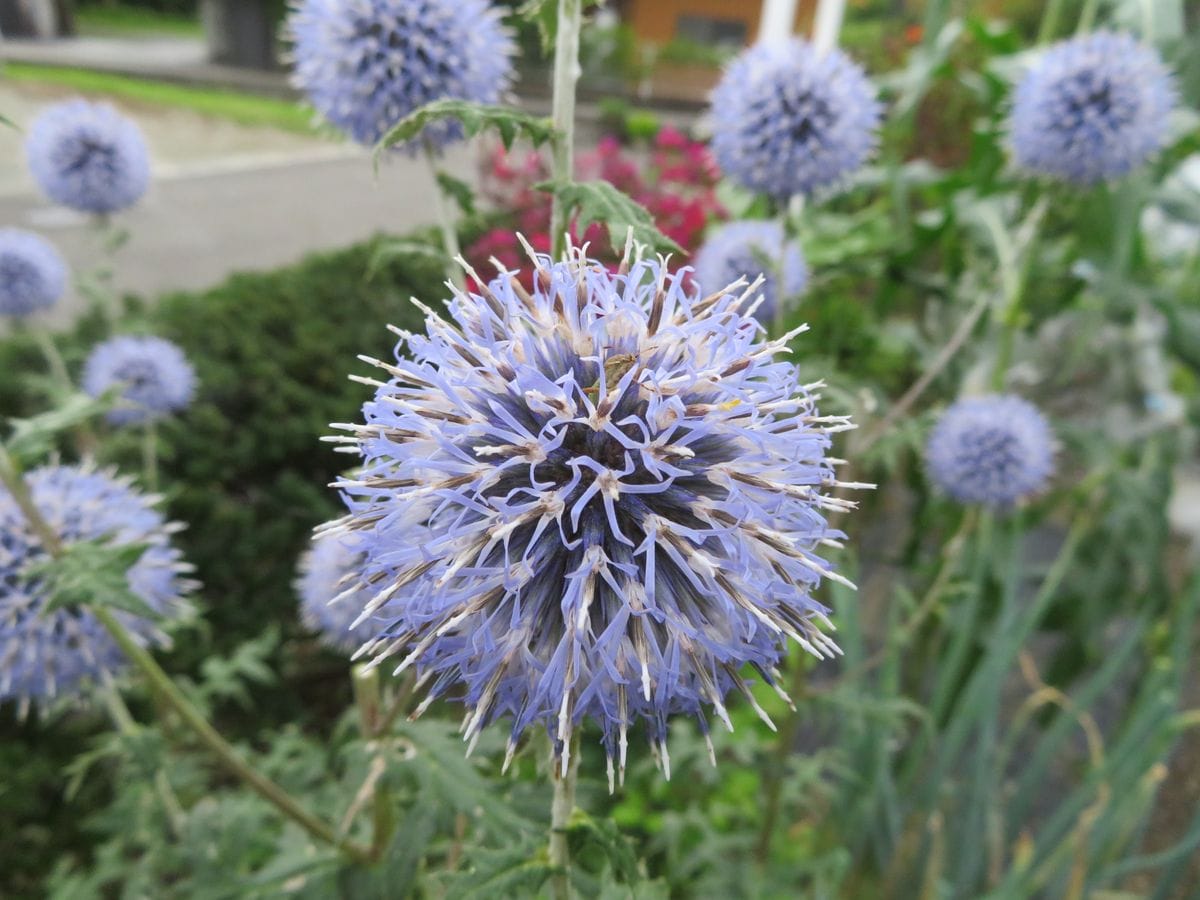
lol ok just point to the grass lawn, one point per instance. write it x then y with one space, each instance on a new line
245 109
126 20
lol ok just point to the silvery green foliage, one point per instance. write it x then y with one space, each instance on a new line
788 120
47 654
88 156
1092 109
33 275
993 450
748 249
366 64
153 376
603 499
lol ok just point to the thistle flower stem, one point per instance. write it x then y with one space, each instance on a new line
560 815
1087 17
85 440
166 689
566 74
1015 259
150 455
1050 19
445 223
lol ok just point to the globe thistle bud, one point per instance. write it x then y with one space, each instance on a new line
602 498
993 450
331 597
788 120
44 655
366 64
1093 108
154 376
748 249
33 276
88 156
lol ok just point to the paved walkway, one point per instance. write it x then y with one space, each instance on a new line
225 198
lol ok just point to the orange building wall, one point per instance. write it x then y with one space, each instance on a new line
653 21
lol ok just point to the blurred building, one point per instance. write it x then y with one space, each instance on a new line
718 24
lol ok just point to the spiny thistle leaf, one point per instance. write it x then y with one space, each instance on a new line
31 439
475 118
599 201
93 573
511 872
459 190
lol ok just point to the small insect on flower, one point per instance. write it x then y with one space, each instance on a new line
44 655
154 376
603 498
331 597
88 156
366 64
33 276
1093 108
748 249
789 120
994 450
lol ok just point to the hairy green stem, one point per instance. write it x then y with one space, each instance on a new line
1050 19
1087 17
150 455
560 815
566 74
445 223
166 689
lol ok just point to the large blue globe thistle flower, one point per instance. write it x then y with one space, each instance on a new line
788 120
1093 108
993 450
748 249
88 156
33 275
602 499
154 376
366 64
46 655
331 597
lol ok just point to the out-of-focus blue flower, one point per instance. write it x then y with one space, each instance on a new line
155 377
366 64
33 275
601 499
748 249
88 156
1093 108
788 120
329 570
994 450
45 655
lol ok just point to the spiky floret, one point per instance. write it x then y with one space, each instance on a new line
748 249
366 64
994 450
33 275
88 156
789 120
45 655
1093 108
331 597
154 376
600 499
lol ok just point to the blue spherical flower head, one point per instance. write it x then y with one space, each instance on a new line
47 655
33 276
331 597
154 376
366 64
1093 108
993 450
600 499
88 156
788 120
748 249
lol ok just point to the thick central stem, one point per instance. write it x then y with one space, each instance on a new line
566 74
560 815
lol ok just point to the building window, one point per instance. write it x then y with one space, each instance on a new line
710 31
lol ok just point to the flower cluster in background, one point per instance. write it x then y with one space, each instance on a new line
331 598
151 375
748 249
33 274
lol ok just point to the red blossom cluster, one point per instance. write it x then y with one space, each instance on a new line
674 179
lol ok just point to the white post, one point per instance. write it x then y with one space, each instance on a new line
828 24
778 20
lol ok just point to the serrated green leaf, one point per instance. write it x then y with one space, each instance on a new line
599 201
459 190
544 15
511 872
93 573
585 832
509 123
31 439
389 250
